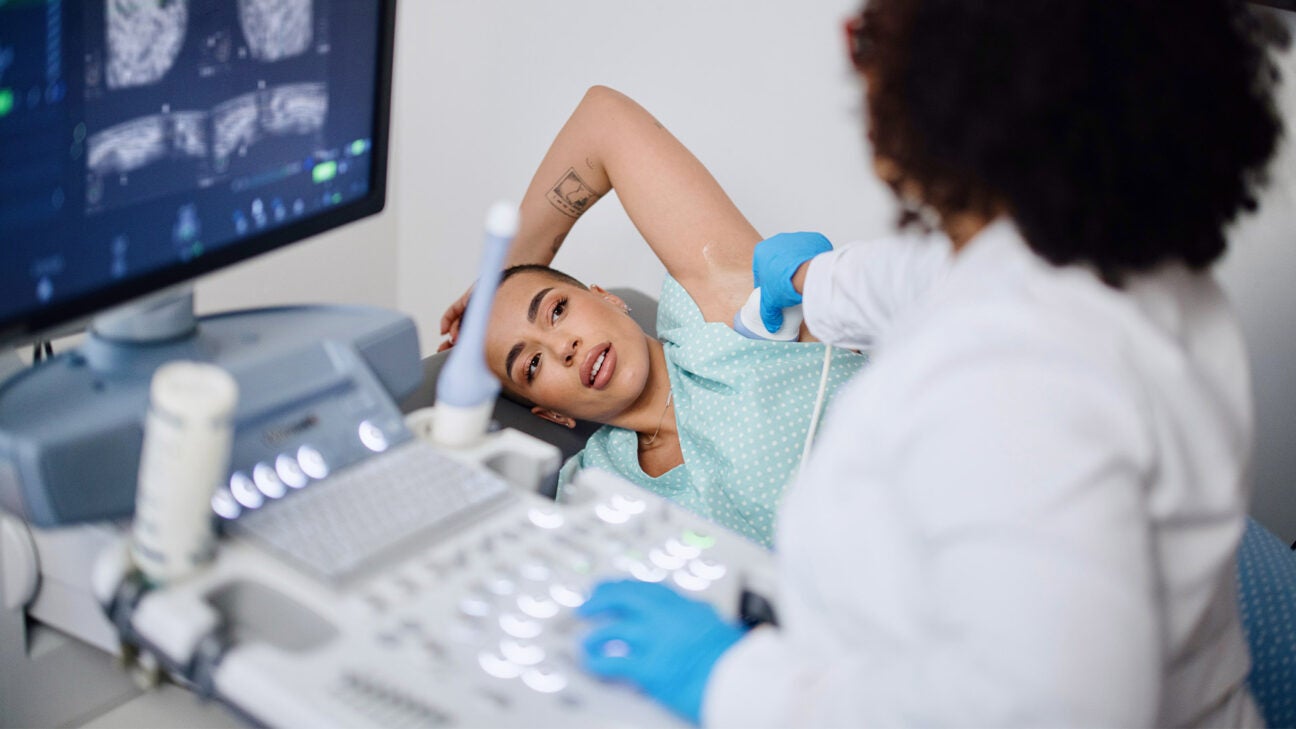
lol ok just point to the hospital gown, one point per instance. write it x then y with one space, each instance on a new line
743 409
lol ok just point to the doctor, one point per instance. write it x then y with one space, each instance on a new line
1026 511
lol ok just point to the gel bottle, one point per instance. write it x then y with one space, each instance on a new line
188 434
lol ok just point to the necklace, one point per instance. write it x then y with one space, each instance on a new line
669 396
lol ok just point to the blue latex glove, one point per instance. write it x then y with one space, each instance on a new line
653 637
774 262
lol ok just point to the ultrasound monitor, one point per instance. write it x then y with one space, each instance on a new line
146 142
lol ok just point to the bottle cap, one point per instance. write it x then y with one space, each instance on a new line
194 390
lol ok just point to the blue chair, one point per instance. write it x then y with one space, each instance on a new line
1267 595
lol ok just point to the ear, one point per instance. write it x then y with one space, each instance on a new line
553 416
610 297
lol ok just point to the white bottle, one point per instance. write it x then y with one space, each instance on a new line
188 433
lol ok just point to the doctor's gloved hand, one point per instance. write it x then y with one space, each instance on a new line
774 262
656 639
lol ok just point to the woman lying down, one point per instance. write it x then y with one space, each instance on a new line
702 415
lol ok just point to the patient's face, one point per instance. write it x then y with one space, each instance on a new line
566 348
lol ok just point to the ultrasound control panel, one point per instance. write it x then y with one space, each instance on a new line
467 621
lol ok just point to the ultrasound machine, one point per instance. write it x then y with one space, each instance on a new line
373 567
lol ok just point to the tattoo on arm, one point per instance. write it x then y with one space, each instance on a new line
570 195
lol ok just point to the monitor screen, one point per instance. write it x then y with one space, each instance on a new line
145 142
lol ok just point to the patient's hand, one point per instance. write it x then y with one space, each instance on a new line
451 319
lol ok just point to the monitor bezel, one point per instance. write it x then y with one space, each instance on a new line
35 323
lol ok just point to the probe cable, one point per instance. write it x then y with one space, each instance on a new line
819 401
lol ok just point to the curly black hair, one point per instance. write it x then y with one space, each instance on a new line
1121 134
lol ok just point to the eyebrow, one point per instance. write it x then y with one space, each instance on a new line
535 303
512 357
531 317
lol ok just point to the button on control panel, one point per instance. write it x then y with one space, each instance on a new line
270 463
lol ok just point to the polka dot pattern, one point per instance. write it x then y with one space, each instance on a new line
743 408
1267 596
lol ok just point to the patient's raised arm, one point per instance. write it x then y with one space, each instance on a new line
610 142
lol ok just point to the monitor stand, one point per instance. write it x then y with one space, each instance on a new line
167 316
161 317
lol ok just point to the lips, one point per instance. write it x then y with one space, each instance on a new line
596 371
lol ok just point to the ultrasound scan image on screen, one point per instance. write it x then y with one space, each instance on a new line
145 141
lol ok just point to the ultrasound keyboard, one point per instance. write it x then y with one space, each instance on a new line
449 602
354 518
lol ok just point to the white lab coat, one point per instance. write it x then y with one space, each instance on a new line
1023 513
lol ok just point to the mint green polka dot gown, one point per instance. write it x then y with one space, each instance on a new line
743 409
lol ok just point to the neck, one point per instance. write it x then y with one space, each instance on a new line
963 227
650 414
